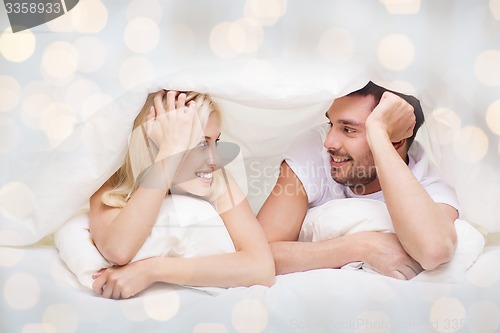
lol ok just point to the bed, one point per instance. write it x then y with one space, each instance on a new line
70 89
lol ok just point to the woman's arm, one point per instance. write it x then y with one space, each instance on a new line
119 233
251 264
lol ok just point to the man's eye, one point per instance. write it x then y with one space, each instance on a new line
348 130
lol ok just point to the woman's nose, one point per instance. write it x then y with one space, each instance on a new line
213 156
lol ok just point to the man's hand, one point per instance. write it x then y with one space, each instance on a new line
394 116
384 253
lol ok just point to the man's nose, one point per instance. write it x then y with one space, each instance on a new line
332 141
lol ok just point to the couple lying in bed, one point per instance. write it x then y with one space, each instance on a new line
363 152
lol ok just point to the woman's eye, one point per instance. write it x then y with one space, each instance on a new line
203 144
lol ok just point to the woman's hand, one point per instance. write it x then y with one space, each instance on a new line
123 281
170 127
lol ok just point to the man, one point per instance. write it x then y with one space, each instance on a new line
366 153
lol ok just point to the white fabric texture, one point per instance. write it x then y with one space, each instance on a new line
185 227
311 163
341 217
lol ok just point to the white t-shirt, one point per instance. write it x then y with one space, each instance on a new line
310 161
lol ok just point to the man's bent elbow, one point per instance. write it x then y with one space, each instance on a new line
438 255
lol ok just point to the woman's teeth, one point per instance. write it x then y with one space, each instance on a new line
204 175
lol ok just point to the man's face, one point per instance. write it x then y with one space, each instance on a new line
351 160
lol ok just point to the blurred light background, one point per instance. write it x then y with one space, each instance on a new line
53 77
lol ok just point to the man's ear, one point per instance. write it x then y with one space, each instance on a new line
400 146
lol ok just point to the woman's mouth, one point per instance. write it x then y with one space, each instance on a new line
205 177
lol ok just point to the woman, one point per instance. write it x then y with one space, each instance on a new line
185 128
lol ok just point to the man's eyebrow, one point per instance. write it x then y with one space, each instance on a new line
350 122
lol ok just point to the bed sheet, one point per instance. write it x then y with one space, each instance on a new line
39 294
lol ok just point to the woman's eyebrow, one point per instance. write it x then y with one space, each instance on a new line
209 137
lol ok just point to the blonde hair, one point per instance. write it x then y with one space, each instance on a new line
140 154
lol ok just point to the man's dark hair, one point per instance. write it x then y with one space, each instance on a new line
371 89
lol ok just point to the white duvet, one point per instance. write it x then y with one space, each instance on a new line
186 227
347 216
189 227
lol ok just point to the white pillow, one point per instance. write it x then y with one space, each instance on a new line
347 216
186 227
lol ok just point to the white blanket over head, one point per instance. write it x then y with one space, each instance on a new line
347 216
185 227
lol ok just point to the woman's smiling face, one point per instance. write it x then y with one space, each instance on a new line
194 175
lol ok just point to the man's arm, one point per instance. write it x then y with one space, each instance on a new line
281 217
424 228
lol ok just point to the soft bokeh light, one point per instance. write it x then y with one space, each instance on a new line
227 39
253 35
134 71
52 64
182 36
92 53
63 317
493 117
63 23
266 12
16 200
98 135
21 291
162 307
10 93
483 317
9 134
39 328
471 144
430 292
30 109
396 52
90 16
210 328
142 35
78 91
250 315
402 6
10 257
151 9
447 310
487 67
17 47
133 309
95 103
58 122
495 8
447 123
337 45
367 318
